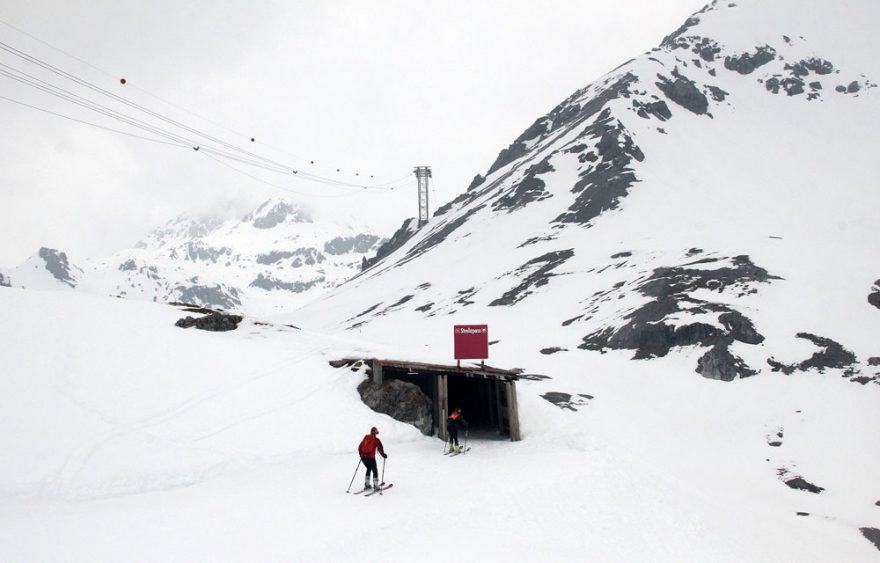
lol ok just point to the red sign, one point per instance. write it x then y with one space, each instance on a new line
471 342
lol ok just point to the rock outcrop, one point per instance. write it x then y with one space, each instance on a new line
401 401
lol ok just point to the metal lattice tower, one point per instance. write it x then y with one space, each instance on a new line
423 173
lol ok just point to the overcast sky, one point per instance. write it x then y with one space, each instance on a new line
369 88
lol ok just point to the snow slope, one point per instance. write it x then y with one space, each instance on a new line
240 446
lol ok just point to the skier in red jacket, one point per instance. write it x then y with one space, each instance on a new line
367 451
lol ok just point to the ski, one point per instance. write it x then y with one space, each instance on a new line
383 488
461 452
361 491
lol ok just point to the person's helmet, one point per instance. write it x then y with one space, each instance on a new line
374 431
458 409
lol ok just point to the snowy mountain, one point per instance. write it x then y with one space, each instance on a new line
681 257
713 197
274 258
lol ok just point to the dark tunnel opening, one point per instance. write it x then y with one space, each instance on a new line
474 396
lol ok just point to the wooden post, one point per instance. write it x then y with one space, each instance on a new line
377 373
513 411
498 408
443 405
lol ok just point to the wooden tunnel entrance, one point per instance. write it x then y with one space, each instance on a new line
486 395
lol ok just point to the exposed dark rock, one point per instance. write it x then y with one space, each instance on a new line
267 218
566 400
533 376
215 322
671 40
343 245
863 379
779 366
366 312
803 485
539 277
684 92
774 443
748 62
853 87
565 114
269 284
476 182
535 240
530 188
191 308
792 86
464 296
621 255
516 150
717 93
658 109
400 400
439 234
548 351
308 256
833 354
802 513
841 89
197 251
720 363
804 67
874 296
874 361
400 237
646 331
425 308
128 266
740 327
872 535
398 303
604 184
208 295
58 265
5 281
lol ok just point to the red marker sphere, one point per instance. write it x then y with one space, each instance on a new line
122 81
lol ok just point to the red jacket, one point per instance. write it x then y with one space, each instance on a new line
369 445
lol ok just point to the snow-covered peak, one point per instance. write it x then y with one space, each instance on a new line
47 269
183 228
272 213
709 197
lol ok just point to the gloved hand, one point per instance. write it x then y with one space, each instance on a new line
385 456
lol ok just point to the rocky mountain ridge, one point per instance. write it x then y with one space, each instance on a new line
276 257
621 220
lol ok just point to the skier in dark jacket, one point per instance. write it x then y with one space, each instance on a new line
367 451
455 420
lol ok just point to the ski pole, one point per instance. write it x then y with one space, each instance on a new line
353 476
465 441
382 482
